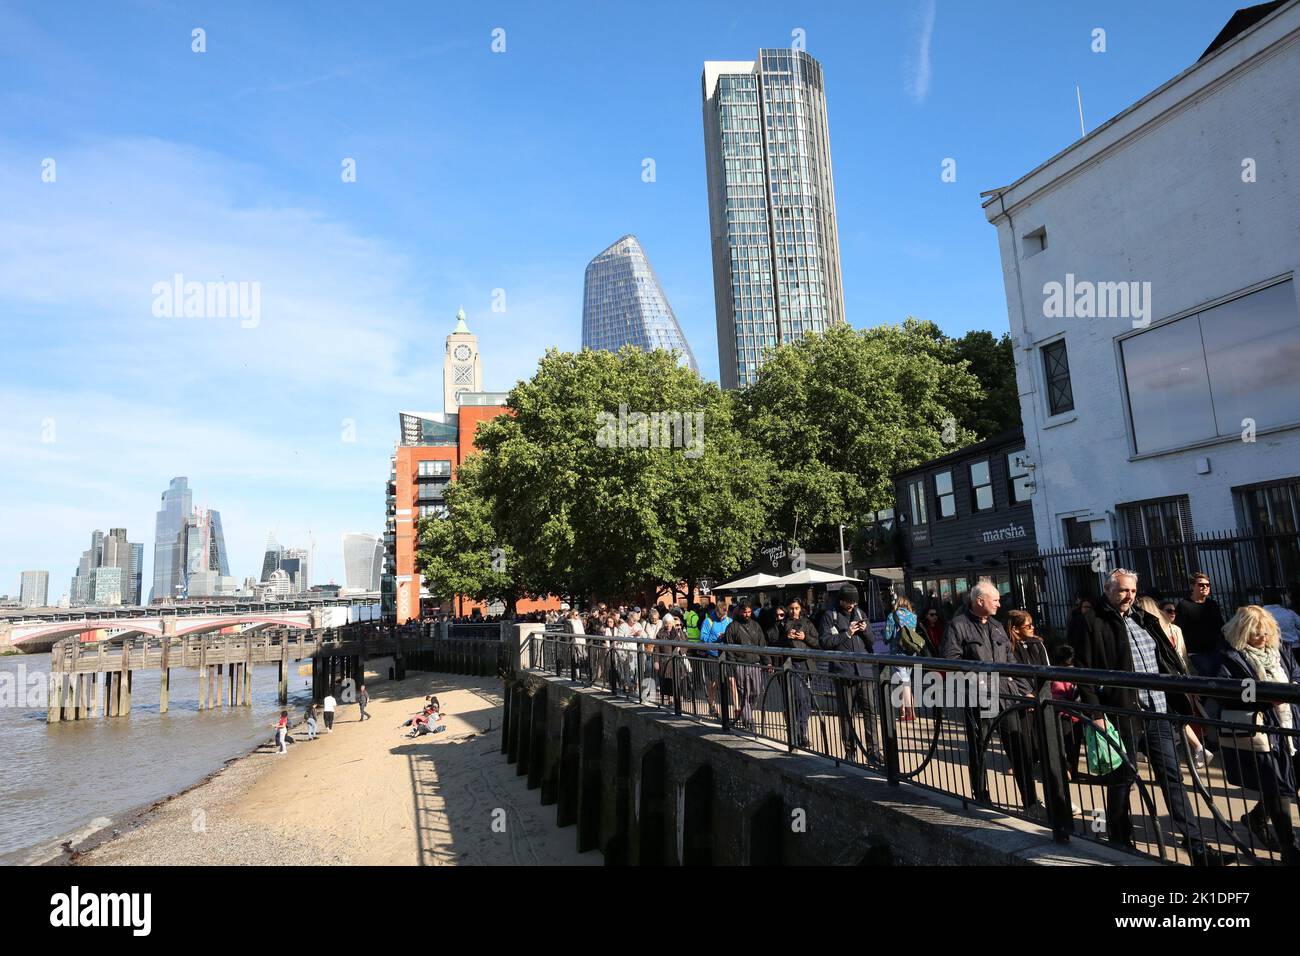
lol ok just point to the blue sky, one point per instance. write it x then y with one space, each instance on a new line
475 171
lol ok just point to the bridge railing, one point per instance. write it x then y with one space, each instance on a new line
991 735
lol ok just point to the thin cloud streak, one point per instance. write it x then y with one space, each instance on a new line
918 82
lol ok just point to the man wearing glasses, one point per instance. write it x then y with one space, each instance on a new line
1200 618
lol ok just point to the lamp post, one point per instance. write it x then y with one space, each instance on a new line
843 569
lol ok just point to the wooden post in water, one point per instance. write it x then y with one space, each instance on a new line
125 708
164 673
203 672
111 680
283 694
55 706
248 672
92 693
74 684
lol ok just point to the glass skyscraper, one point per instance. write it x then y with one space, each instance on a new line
776 249
624 304
169 546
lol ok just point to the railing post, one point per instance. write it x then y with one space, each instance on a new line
787 688
888 725
724 692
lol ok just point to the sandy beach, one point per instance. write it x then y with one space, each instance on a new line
364 794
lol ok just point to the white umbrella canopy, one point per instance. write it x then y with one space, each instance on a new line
750 583
809 576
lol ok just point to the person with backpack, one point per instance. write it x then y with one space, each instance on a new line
902 637
711 632
692 620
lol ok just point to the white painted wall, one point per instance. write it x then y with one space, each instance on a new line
1156 195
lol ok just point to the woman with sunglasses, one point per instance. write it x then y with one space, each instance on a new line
934 627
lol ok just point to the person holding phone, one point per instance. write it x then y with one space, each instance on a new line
844 627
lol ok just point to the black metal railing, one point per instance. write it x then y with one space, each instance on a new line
961 728
1245 567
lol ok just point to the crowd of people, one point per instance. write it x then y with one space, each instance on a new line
1119 630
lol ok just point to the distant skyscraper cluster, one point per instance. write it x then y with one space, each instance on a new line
624 304
109 572
775 242
189 553
294 564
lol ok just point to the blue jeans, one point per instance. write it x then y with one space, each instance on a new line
1160 738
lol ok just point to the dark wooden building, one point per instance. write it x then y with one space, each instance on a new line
961 517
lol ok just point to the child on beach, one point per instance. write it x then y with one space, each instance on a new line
282 732
311 721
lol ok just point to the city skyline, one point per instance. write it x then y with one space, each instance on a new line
247 187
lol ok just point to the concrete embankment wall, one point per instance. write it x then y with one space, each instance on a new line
646 787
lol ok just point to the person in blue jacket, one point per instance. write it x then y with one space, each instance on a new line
712 628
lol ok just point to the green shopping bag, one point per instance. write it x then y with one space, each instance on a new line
1103 756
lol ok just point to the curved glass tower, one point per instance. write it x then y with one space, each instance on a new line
624 304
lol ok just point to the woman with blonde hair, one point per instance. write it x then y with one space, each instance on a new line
1263 761
1200 755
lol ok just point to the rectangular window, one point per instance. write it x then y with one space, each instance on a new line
1160 521
435 469
1018 480
916 494
944 493
1078 533
981 486
1215 373
1056 372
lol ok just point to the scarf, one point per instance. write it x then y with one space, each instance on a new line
1267 664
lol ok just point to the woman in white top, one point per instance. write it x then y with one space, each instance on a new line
1200 756
653 624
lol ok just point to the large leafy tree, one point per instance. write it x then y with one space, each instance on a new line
839 413
586 510
992 361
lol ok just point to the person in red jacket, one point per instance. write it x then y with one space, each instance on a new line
933 626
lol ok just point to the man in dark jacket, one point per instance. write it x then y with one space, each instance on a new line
975 635
845 628
1118 636
749 677
797 633
1200 619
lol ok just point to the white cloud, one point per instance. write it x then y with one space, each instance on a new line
917 83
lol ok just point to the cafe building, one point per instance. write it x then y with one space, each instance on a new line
960 519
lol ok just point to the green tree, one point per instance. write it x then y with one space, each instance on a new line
992 361
586 509
840 412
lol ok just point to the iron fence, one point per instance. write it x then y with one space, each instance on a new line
1245 568
992 735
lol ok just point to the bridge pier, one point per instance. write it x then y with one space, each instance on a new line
284 671
164 676
92 693
124 703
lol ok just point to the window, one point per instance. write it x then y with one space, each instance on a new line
1271 511
1019 484
1207 375
943 491
981 486
1160 521
916 494
1056 371
435 469
1035 242
1078 532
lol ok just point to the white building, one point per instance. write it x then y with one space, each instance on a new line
1150 280
362 561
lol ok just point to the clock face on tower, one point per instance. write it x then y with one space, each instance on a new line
461 352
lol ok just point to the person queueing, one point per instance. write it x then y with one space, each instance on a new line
845 628
975 635
1118 636
1017 728
1251 650
749 667
798 634
712 632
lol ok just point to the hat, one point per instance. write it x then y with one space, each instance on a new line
848 592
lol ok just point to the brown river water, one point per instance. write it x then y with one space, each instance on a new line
67 780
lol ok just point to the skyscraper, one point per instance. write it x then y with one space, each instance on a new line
108 551
776 249
169 545
624 304
34 589
361 554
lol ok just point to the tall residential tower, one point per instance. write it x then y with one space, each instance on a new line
776 248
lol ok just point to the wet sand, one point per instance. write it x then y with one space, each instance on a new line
364 794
